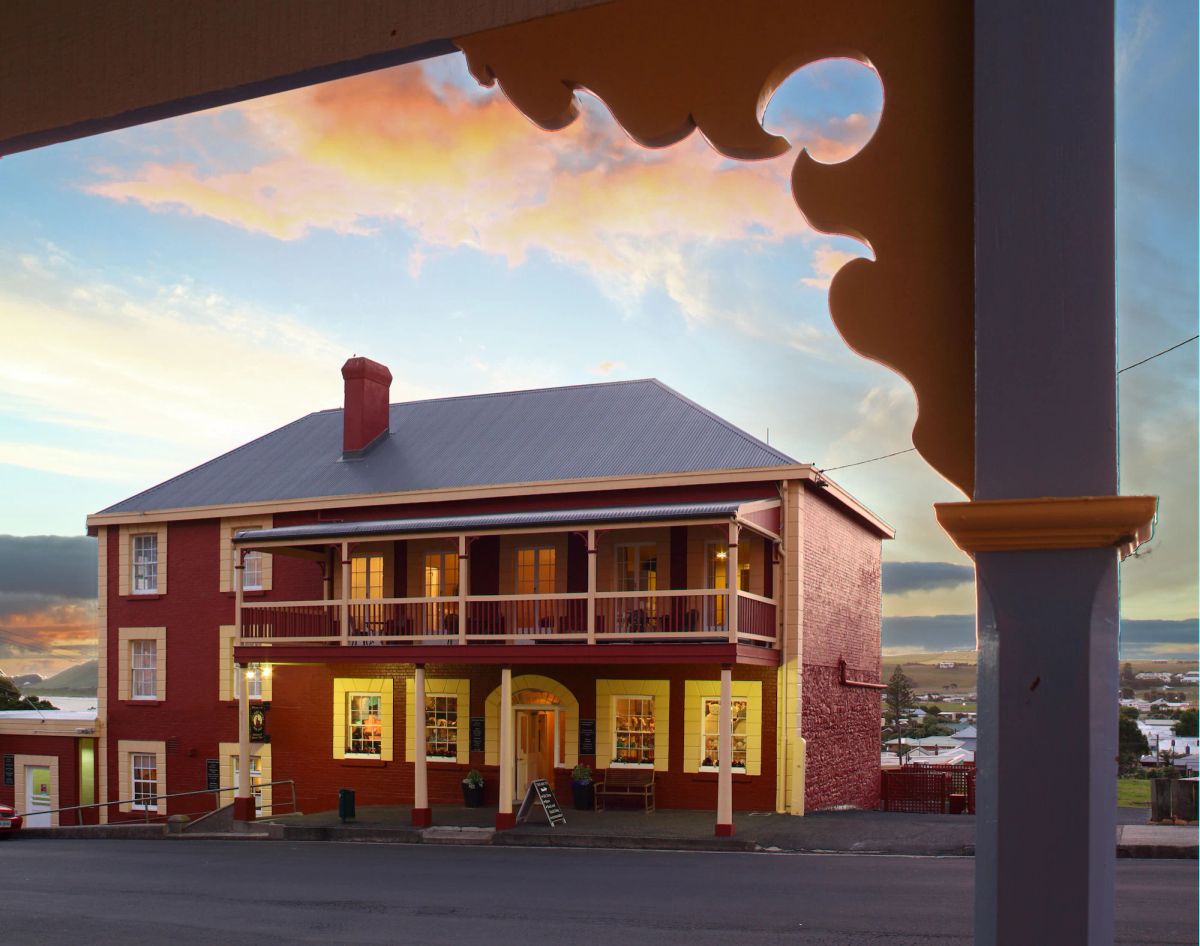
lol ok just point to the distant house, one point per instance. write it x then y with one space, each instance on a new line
946 665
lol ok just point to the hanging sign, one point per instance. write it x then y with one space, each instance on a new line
9 768
477 731
212 774
258 722
587 737
539 788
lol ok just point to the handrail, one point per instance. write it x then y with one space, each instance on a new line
131 801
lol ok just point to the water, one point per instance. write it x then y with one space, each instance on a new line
73 704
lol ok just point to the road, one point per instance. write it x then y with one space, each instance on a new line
230 892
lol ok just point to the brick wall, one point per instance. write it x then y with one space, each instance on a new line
842 617
66 750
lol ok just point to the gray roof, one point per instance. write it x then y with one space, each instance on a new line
622 428
499 520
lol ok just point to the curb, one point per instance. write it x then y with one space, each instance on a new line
1160 851
737 845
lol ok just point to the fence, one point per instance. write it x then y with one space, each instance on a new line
932 789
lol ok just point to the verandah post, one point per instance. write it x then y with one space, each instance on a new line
504 814
725 757
345 608
731 583
591 579
422 817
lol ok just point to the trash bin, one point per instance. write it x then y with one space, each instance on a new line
345 804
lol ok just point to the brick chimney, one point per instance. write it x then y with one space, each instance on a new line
365 417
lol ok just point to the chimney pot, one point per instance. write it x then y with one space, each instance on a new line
365 413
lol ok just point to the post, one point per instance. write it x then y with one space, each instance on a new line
1045 426
591 599
239 593
725 757
464 567
731 583
504 815
345 608
243 799
422 817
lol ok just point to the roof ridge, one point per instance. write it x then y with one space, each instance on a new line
482 394
733 428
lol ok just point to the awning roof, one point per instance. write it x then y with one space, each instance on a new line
503 520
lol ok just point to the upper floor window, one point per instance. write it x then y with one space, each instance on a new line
143 668
252 571
366 576
637 567
441 574
145 564
535 571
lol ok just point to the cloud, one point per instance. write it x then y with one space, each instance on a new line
903 577
826 261
48 565
605 368
463 168
934 632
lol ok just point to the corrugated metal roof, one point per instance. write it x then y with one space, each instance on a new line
539 517
623 428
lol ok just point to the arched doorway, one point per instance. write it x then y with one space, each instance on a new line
545 730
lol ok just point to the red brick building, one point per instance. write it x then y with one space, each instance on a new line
605 574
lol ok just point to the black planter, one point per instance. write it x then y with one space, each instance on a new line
473 796
584 794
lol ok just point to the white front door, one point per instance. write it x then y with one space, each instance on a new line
37 796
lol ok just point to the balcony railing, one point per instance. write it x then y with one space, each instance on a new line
690 615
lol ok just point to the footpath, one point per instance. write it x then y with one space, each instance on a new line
836 832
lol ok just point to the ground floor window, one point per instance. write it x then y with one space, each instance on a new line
633 730
143 768
364 730
256 778
441 728
710 732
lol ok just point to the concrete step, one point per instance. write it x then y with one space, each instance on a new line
224 836
447 834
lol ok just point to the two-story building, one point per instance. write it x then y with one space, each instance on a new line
605 574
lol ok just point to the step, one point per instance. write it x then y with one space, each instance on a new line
448 834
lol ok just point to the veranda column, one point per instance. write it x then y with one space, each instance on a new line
591 578
243 799
731 583
422 817
504 815
725 757
464 567
345 608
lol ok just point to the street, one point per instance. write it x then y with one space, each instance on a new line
188 892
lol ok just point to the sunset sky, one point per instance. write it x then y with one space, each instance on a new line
171 291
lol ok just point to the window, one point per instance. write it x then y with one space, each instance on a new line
710 732
252 677
366 576
143 769
145 564
633 730
441 728
252 571
364 729
637 567
256 778
535 571
143 669
441 574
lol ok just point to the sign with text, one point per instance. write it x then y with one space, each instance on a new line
477 734
212 774
539 789
10 768
587 737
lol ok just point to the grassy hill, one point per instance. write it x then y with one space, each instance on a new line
79 680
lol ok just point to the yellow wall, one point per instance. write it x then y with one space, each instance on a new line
228 751
342 687
439 687
606 690
532 681
228 528
227 635
694 693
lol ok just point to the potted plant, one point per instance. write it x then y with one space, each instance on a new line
582 789
472 786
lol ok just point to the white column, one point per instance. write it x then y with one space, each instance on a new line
420 813
591 578
504 816
464 567
731 582
345 609
243 799
239 594
725 757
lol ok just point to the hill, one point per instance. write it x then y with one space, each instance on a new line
79 680
927 677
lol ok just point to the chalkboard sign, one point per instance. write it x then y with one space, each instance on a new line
539 788
477 731
587 737
10 769
212 773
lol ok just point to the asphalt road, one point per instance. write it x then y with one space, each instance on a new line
178 893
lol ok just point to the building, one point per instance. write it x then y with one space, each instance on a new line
601 574
48 760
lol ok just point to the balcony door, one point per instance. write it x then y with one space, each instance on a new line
441 581
536 575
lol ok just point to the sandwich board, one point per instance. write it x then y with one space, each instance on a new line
539 788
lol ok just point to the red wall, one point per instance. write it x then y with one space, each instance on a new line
301 735
842 618
63 748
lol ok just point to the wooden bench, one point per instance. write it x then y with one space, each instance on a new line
627 783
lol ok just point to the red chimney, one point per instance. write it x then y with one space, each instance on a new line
365 417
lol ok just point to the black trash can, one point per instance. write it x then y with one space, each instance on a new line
345 804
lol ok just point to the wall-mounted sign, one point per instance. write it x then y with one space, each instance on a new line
258 722
212 774
10 768
587 737
477 734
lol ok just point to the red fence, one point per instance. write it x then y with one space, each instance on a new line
937 789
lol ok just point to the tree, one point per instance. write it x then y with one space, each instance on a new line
1128 677
11 699
898 696
1131 743
1187 724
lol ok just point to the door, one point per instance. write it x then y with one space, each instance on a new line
37 796
535 740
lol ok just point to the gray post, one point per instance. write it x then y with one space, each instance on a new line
1045 426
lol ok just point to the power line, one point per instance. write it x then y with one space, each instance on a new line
1158 354
846 466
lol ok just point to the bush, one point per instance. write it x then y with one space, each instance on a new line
581 774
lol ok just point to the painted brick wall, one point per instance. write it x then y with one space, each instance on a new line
842 617
300 735
63 748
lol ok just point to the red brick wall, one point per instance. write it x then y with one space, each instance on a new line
63 748
301 735
842 616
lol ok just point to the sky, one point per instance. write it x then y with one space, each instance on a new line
170 291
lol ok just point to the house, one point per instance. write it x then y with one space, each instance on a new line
605 574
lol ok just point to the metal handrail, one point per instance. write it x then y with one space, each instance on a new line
217 792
